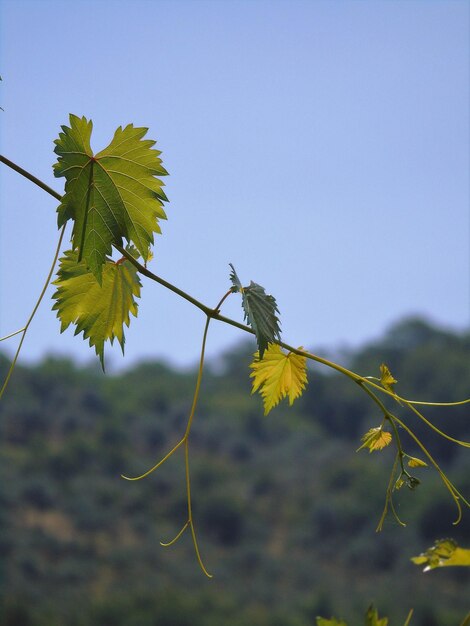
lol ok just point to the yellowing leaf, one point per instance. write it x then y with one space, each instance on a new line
386 378
375 439
415 462
100 311
278 375
444 552
399 483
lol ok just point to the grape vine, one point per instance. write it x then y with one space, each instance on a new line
114 200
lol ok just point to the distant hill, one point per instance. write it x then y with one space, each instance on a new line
285 509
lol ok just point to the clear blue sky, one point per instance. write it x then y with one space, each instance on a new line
321 147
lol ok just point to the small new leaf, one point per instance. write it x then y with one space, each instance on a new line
399 483
278 375
445 552
236 284
386 379
373 619
100 311
110 196
375 439
321 621
415 462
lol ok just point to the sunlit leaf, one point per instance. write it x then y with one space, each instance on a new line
110 196
99 311
415 462
386 378
399 483
445 552
375 439
278 375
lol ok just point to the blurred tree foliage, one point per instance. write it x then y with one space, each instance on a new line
286 509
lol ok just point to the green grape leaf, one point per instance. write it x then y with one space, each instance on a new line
321 621
100 311
373 619
236 284
444 552
110 196
260 311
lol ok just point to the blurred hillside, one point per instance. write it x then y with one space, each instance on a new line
284 507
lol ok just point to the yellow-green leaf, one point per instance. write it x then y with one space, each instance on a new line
100 311
278 375
399 483
375 439
445 552
112 195
373 619
321 621
386 378
415 462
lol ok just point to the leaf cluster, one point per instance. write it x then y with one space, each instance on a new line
110 197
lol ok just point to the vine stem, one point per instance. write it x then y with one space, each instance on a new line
390 418
30 177
215 314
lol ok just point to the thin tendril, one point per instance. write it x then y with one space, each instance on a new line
190 513
185 440
33 313
170 543
388 495
456 495
396 397
17 332
152 469
458 403
408 619
459 442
